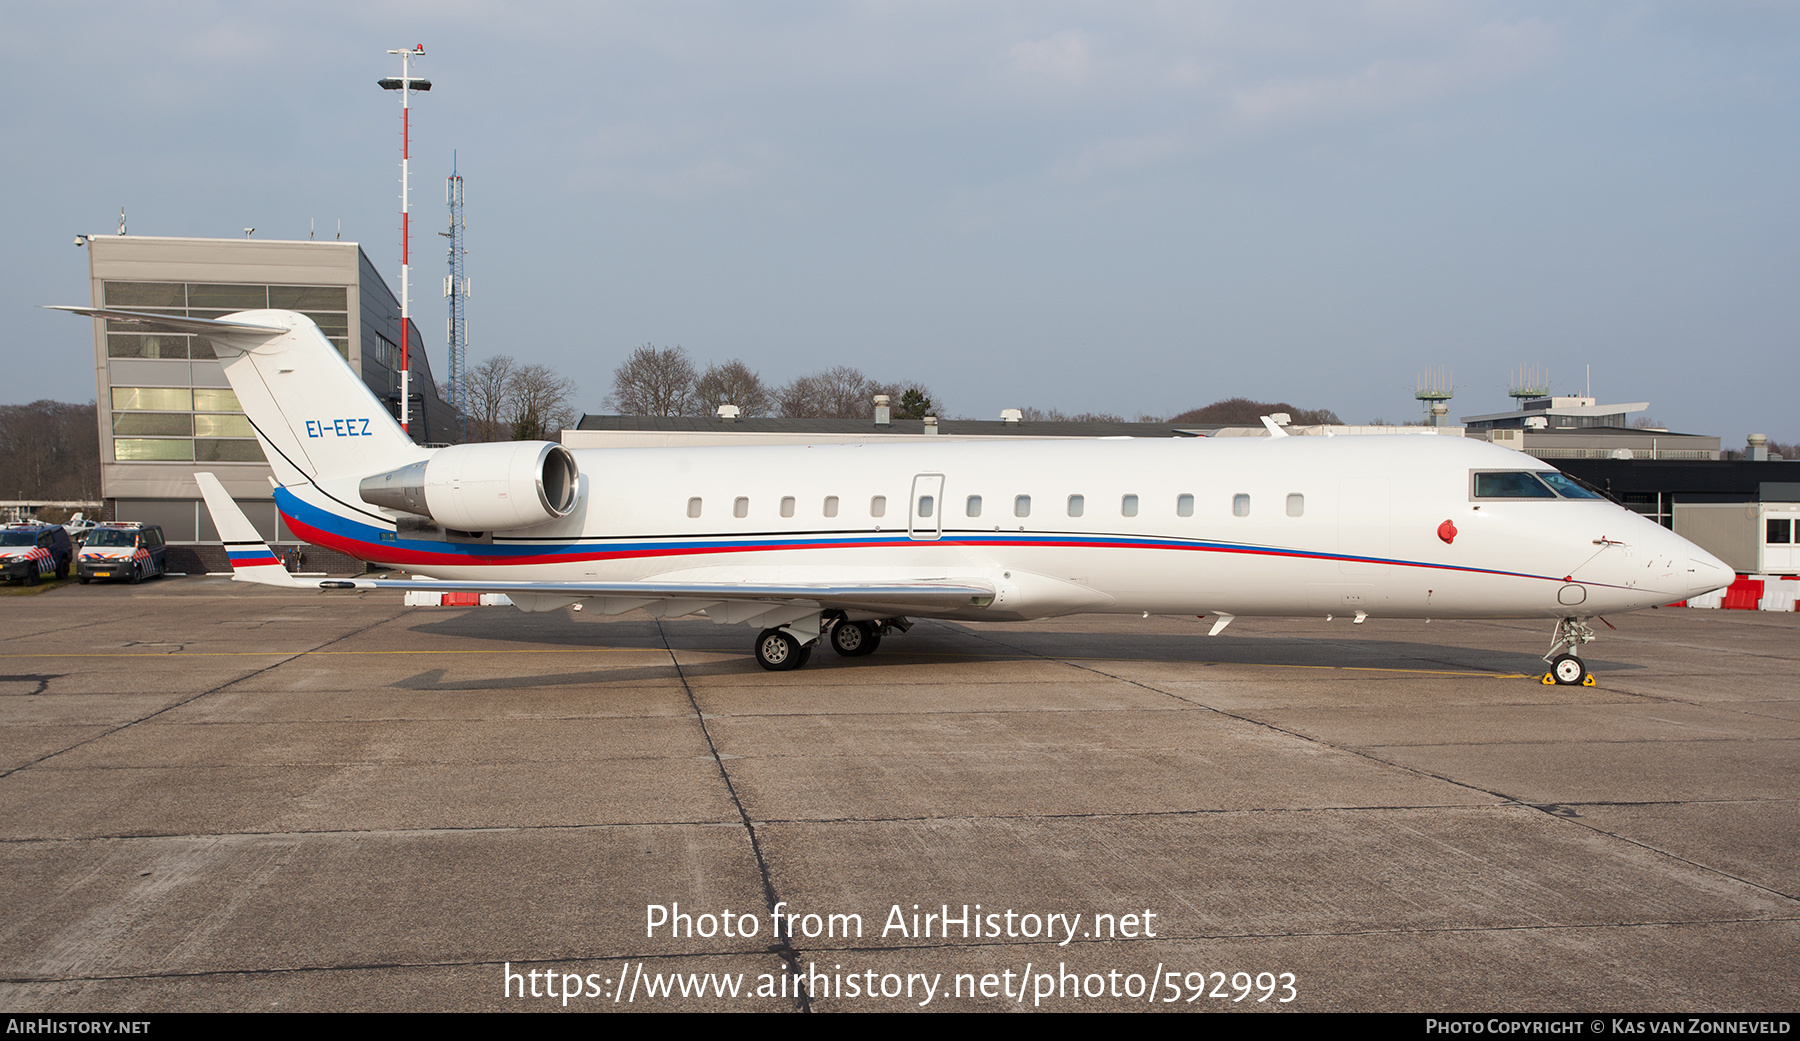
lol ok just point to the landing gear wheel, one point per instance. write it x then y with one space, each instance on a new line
855 639
1568 670
779 652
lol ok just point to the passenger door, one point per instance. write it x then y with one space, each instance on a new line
925 514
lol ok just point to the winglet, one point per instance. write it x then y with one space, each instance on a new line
251 558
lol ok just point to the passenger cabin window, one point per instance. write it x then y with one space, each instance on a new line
1128 506
787 505
1022 506
926 505
1516 485
694 507
740 507
878 506
974 509
1076 505
831 506
1781 532
1240 505
1184 506
1296 504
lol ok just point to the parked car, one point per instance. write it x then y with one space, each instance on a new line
122 549
29 551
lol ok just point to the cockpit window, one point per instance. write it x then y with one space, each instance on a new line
1567 486
1517 484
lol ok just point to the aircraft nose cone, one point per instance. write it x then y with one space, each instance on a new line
1697 570
1709 573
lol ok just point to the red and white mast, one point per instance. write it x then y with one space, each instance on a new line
406 84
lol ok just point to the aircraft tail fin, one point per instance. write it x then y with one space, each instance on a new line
316 419
251 558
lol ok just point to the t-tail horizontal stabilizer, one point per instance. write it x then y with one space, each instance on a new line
251 558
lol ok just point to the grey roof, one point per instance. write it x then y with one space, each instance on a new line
955 427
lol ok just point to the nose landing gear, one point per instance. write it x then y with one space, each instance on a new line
1566 667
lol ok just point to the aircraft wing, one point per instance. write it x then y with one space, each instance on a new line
891 597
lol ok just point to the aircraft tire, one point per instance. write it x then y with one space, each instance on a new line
855 639
779 652
1568 670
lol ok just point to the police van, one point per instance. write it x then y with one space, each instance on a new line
30 551
122 549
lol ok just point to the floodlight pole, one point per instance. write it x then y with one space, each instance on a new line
406 84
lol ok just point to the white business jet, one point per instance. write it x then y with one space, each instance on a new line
845 543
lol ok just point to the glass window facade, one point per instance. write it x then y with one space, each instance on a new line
197 424
328 306
181 425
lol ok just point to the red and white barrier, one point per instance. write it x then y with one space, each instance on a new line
421 598
1754 593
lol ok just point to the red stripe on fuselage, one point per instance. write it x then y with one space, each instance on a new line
398 556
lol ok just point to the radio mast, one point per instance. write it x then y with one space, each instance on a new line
456 289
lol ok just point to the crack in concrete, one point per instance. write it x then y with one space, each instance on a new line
784 947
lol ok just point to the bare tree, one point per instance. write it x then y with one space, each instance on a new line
485 399
654 382
732 384
1057 415
800 399
49 450
839 392
1244 412
539 402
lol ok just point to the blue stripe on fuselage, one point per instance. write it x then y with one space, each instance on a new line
383 544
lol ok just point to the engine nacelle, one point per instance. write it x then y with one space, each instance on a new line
496 486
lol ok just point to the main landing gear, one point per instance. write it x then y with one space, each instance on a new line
1566 667
779 650
855 639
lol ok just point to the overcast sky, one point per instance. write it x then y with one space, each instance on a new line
1118 207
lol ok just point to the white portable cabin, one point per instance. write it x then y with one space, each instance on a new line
1754 538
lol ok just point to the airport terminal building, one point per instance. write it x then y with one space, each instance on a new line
165 408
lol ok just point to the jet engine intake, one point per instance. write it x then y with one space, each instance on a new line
497 486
